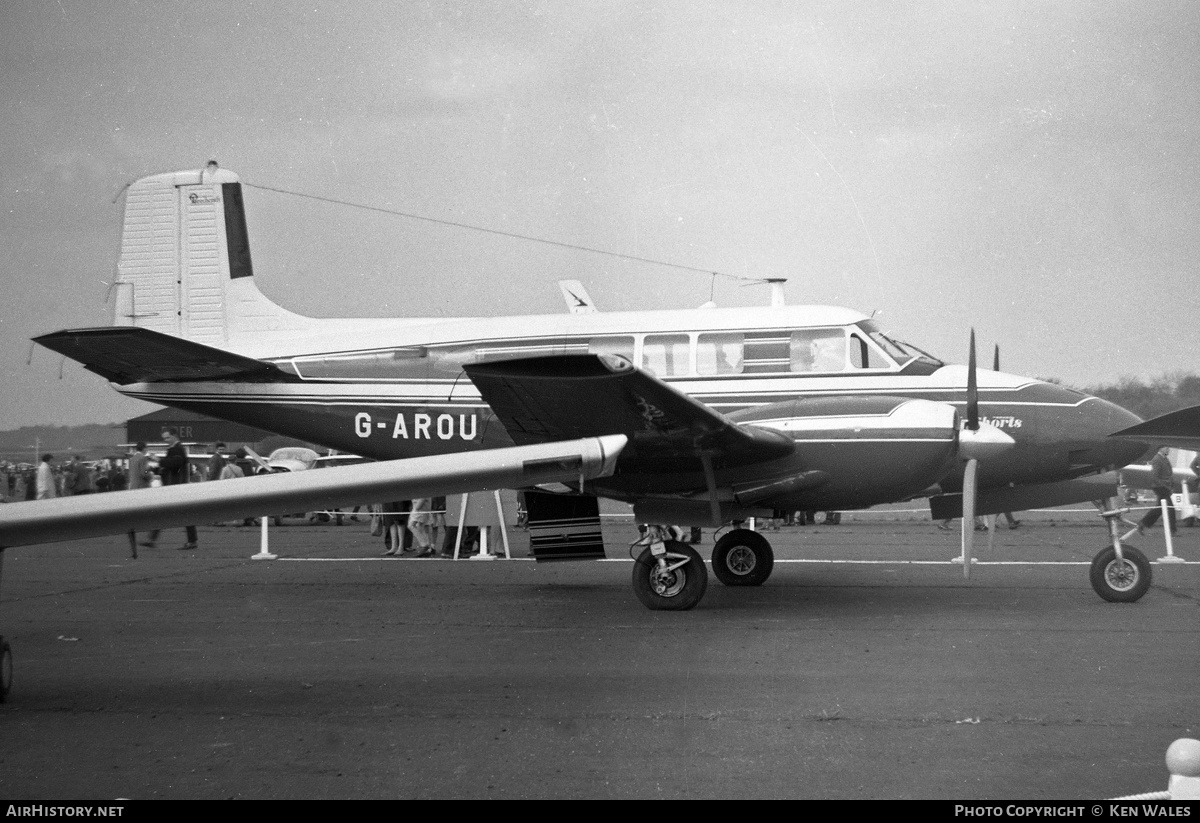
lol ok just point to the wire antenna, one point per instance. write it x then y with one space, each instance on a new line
498 232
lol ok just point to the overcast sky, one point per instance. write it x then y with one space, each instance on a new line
1029 169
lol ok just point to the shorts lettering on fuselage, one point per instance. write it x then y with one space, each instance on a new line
419 426
1002 422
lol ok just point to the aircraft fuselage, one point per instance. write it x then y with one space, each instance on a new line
397 390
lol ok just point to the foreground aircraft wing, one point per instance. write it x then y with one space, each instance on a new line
72 518
127 354
543 399
1180 429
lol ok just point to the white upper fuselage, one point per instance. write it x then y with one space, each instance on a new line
330 335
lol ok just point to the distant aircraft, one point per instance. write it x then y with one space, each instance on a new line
726 414
1140 476
1180 430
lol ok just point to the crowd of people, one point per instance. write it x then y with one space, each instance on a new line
410 528
61 478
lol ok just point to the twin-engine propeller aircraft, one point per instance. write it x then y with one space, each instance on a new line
724 414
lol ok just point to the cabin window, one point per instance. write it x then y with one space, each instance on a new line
766 353
720 353
667 355
865 356
622 346
817 350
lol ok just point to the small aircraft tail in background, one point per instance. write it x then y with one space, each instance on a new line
578 300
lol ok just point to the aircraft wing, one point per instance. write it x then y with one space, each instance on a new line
543 399
1180 429
127 354
72 518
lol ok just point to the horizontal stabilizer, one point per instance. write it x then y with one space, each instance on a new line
93 515
543 399
128 354
1180 429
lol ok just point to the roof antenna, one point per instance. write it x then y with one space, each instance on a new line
776 284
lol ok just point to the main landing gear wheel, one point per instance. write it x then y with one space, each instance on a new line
743 558
1120 581
679 587
5 669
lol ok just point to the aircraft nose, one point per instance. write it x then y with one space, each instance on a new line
1102 418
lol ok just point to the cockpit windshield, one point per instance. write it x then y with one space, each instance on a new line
903 353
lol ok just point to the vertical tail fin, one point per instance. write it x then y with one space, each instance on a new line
185 268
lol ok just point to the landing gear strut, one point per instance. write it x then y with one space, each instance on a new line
743 558
1120 573
668 575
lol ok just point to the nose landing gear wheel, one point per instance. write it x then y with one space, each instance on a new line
678 588
1120 581
743 558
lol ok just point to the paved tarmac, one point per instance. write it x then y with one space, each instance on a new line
334 673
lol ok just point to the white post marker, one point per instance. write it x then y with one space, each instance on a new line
1169 557
483 553
1183 762
484 518
263 554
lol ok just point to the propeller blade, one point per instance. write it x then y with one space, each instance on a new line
968 515
996 358
972 389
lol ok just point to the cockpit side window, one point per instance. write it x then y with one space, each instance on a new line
911 359
863 355
817 350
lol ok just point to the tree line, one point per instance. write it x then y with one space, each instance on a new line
1151 397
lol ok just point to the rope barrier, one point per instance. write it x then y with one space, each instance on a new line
1183 765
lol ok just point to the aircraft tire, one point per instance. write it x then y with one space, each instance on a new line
743 558
678 590
6 669
1117 581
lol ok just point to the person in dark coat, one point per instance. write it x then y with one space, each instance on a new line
174 471
1163 480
